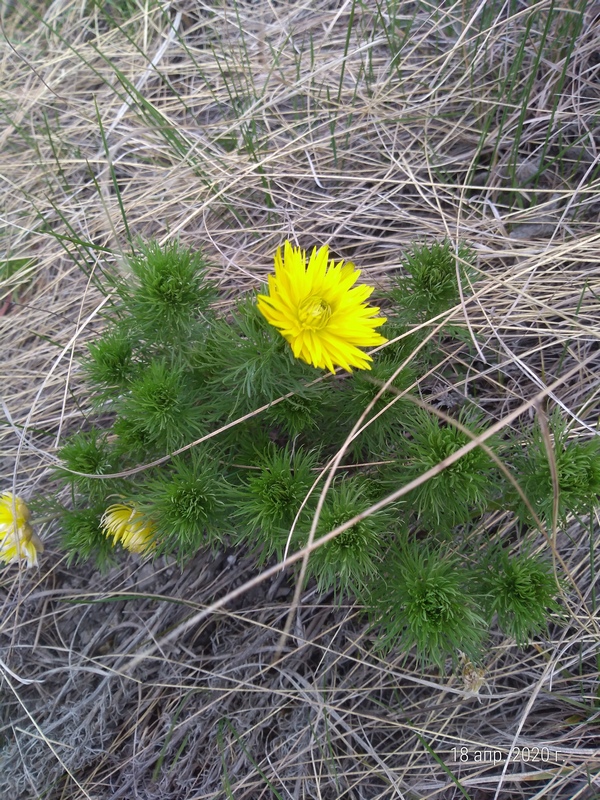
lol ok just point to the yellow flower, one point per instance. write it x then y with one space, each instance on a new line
317 310
127 526
17 540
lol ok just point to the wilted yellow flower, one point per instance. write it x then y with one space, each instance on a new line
127 526
18 542
317 310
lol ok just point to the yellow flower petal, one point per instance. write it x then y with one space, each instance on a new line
18 542
319 311
128 527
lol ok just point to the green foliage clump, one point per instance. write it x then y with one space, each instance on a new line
299 414
423 600
110 365
577 468
384 423
186 503
394 353
350 560
520 589
431 285
83 538
169 294
87 452
161 406
271 496
458 492
247 363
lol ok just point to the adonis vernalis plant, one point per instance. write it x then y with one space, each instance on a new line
520 589
169 370
351 560
271 496
423 599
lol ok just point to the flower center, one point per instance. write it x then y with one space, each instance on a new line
313 313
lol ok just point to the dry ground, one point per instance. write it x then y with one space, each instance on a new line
233 125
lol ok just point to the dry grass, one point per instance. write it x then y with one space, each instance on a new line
233 125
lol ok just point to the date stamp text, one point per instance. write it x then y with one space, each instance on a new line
527 755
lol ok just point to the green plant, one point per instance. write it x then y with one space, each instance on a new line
110 364
383 426
161 406
169 297
429 283
350 561
270 497
458 492
423 600
521 590
258 366
577 471
186 503
89 453
168 371
83 537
